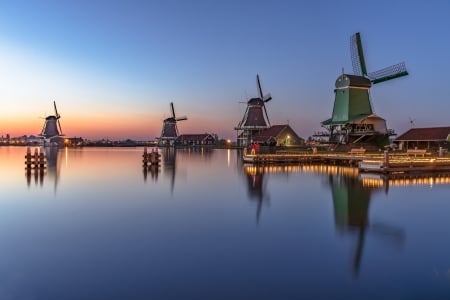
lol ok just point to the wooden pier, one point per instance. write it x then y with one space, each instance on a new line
328 158
36 161
386 163
152 158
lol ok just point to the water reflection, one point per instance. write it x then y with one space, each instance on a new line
171 156
51 172
401 180
256 187
351 195
153 169
351 201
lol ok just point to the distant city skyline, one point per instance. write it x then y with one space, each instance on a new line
113 67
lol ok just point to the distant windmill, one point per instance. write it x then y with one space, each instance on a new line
169 131
255 117
411 122
52 126
353 119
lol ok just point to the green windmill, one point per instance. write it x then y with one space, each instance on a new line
353 120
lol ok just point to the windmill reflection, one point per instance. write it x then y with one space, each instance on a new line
351 201
169 157
351 194
256 187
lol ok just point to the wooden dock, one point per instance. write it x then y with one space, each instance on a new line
386 163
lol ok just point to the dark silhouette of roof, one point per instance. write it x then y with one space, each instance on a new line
345 80
273 132
425 134
194 137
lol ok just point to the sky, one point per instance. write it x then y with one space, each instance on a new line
113 67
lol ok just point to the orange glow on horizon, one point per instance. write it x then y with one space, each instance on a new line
112 127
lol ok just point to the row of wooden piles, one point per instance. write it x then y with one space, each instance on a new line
151 162
35 161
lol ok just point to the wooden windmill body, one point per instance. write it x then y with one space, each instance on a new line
255 117
51 131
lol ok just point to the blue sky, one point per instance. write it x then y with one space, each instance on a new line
113 67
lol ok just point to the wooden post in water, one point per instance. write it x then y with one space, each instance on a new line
386 159
41 160
151 158
35 161
28 160
145 157
36 158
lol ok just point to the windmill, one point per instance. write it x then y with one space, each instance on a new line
255 117
52 127
411 122
169 131
353 119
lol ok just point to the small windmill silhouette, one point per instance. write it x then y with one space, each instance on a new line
169 130
52 126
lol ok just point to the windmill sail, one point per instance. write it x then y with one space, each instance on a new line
265 98
388 73
57 117
359 64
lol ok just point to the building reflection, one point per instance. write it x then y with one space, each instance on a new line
52 171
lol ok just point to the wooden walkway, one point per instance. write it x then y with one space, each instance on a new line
366 162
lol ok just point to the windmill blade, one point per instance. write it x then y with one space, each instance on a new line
267 116
356 50
56 111
267 97
172 109
388 73
181 118
59 125
258 85
395 236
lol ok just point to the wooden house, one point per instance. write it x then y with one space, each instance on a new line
278 135
431 138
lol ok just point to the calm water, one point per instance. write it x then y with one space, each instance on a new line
96 226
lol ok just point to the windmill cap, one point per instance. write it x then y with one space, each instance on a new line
346 80
255 101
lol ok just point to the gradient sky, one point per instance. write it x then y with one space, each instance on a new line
113 67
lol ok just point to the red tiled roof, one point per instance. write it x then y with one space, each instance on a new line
271 132
425 134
